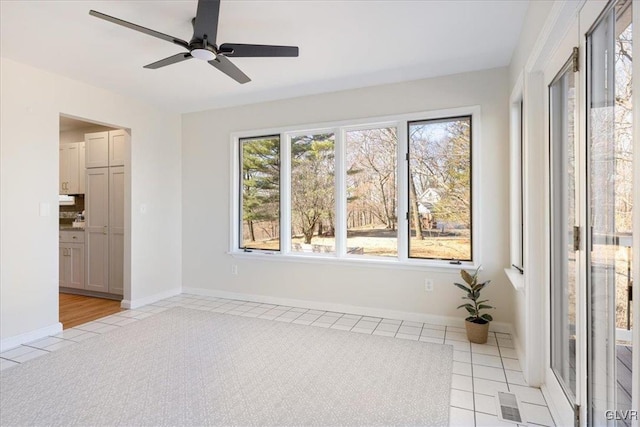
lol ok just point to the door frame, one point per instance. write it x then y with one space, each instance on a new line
127 284
555 67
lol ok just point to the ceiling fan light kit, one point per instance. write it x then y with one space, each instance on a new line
202 45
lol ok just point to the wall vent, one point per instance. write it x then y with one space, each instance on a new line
509 408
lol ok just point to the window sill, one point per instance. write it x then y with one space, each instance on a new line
516 278
354 261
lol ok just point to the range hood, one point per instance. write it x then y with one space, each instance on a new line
66 200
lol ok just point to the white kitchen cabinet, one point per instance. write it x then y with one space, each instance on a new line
106 148
97 229
104 225
118 143
116 230
71 259
81 167
69 168
96 149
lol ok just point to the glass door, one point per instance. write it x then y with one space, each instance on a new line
609 149
565 232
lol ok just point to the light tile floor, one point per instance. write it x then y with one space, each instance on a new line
479 371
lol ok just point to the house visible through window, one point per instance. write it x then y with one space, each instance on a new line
440 189
347 193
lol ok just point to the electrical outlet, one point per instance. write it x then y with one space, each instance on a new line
234 269
428 285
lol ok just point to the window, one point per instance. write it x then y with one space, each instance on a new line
393 189
371 197
260 198
440 189
517 185
313 193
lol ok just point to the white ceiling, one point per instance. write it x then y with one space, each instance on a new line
343 44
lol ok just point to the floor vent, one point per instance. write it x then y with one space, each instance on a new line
509 408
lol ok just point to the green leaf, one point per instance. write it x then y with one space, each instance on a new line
465 305
487 317
481 306
471 310
467 277
463 287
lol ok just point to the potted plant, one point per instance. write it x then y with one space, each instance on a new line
477 325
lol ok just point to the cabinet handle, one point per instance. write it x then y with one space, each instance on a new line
104 230
75 237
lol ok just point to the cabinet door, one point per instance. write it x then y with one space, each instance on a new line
118 143
81 167
69 161
63 169
75 265
116 230
63 267
97 229
96 149
72 168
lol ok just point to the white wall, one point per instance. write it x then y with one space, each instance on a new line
535 19
30 104
206 181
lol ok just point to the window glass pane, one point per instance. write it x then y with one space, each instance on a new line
610 201
371 192
562 119
440 189
260 198
313 193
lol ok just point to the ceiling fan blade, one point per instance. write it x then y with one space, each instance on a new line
174 59
136 27
238 50
206 23
227 67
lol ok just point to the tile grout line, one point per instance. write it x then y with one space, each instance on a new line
473 385
239 303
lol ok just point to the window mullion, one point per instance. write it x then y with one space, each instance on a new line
403 190
340 194
285 193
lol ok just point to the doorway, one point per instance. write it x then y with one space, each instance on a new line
93 168
591 357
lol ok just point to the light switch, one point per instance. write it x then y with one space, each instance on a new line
45 209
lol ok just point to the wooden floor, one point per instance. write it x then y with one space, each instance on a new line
78 309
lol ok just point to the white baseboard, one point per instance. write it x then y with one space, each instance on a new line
346 308
132 304
15 341
522 356
553 407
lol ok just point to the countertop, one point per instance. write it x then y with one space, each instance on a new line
70 228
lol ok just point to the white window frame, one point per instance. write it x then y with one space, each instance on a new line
515 270
339 128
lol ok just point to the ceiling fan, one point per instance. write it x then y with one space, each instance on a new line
203 43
